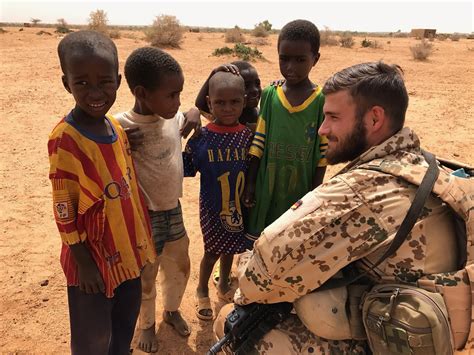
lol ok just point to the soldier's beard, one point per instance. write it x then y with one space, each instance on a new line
349 147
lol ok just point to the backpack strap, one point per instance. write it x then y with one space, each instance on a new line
424 190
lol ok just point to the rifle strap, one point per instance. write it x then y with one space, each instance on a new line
422 193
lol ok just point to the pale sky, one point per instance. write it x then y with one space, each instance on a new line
370 16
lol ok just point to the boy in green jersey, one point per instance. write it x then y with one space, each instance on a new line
287 155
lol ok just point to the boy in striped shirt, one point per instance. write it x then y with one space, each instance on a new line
98 208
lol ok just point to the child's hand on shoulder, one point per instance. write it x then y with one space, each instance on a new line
231 68
135 137
192 121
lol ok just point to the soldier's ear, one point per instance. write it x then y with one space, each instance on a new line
377 119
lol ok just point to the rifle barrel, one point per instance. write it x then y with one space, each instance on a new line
217 347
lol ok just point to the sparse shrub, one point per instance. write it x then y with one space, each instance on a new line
194 29
166 31
442 36
2 31
240 50
422 50
199 38
62 26
40 33
260 42
259 31
98 21
234 35
222 51
367 43
346 40
455 37
115 34
246 53
327 37
21 30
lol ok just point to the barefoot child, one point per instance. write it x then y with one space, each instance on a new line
287 155
156 80
219 154
98 209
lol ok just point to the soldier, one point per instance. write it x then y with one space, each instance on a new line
350 219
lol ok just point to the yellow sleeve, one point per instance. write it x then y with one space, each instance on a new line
323 146
258 143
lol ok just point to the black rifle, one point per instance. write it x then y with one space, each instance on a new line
246 325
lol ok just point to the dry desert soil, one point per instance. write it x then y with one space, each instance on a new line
33 306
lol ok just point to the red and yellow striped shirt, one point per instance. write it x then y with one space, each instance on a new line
97 201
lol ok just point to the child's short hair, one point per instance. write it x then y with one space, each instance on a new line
301 30
226 79
88 43
146 67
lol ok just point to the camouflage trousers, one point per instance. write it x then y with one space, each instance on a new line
292 337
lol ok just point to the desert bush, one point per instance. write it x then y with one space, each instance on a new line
266 25
40 33
115 34
98 21
346 40
442 37
166 31
62 26
367 43
200 38
260 31
260 42
240 50
234 35
2 31
455 37
422 50
327 37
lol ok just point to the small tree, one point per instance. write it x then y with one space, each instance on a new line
166 31
35 21
327 37
98 21
62 26
267 25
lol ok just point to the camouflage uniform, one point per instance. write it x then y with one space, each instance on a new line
350 219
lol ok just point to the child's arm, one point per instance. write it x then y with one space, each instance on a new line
248 196
201 102
192 120
319 176
90 279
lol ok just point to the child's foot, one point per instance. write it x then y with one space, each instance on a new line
225 292
203 305
147 341
177 322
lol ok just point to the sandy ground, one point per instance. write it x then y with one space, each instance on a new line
33 306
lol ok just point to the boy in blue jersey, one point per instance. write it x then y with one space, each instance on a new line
220 154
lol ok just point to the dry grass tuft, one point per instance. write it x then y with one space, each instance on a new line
421 51
234 35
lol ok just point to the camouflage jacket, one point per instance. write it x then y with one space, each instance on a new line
352 218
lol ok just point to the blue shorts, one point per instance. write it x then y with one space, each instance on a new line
166 226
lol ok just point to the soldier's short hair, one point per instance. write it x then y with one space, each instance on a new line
373 84
301 30
87 43
147 66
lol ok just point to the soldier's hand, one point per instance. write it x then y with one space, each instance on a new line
248 197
